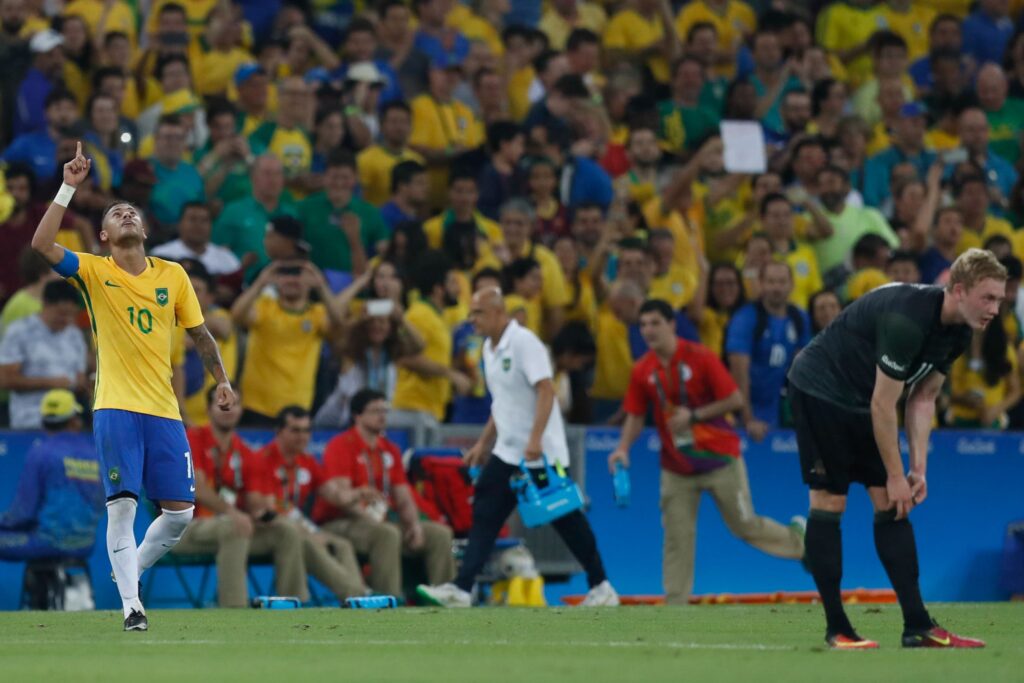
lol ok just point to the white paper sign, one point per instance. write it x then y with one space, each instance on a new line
744 147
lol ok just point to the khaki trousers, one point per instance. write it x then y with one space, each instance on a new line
728 485
331 560
382 542
218 536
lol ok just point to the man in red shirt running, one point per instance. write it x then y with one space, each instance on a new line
691 393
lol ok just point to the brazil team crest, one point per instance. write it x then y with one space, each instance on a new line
161 296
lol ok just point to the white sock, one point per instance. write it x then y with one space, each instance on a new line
123 553
162 535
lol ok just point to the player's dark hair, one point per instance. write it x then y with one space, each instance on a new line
771 198
404 172
659 306
362 399
430 271
574 337
289 412
501 132
111 205
579 37
59 292
487 273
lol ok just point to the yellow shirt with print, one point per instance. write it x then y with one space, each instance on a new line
133 319
737 22
440 126
375 165
689 238
911 25
614 361
842 27
963 379
291 145
677 286
121 17
555 291
557 29
422 393
711 329
518 90
195 405
803 262
433 230
281 356
630 32
527 312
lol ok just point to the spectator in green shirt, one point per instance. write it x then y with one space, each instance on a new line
1005 115
240 227
342 229
849 224
683 121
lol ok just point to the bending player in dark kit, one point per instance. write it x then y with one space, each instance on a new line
845 388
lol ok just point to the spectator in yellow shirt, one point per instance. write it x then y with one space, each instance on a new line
733 20
724 297
644 32
285 335
442 127
668 280
910 19
224 55
614 357
424 385
463 233
118 54
777 220
889 54
560 17
523 284
844 29
108 15
375 162
252 88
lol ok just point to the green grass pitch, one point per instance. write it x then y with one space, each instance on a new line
641 644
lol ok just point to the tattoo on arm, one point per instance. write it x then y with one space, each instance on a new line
206 346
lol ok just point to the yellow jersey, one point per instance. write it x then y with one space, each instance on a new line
967 379
677 286
121 17
614 361
911 25
133 321
282 355
375 165
414 391
842 27
519 92
803 262
554 292
218 70
527 312
195 405
557 29
993 226
712 329
582 306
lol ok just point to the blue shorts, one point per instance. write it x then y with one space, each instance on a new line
139 451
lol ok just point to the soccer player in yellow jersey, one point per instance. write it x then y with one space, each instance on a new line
135 302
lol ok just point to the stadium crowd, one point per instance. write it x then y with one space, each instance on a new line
339 177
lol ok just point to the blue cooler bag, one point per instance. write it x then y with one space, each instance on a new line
539 506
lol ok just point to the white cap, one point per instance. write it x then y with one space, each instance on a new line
44 41
366 72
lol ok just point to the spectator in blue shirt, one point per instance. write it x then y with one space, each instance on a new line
987 31
41 78
943 34
501 178
761 342
410 190
974 137
178 182
467 357
39 149
907 147
442 44
59 500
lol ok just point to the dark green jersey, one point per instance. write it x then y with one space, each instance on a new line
895 328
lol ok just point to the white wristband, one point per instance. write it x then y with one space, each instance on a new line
64 195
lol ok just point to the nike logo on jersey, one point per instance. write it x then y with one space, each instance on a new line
108 283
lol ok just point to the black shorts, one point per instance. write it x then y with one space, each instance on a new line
837 446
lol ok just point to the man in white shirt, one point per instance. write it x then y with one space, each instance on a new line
194 242
523 424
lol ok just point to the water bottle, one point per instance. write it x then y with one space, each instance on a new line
620 484
372 602
276 602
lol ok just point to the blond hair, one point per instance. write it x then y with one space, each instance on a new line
973 266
